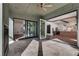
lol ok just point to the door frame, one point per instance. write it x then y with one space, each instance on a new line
76 10
25 26
40 29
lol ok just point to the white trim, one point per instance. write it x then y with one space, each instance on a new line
1 29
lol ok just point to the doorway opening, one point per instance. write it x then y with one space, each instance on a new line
20 34
64 28
24 29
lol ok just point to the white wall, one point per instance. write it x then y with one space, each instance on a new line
53 25
0 29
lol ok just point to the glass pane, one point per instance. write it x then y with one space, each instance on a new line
31 29
10 30
42 28
19 29
26 29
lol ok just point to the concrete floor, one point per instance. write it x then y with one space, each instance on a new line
56 47
32 47
16 48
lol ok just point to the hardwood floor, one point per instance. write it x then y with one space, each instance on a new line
69 37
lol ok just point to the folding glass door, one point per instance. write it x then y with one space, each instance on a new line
10 30
19 29
31 29
42 29
24 29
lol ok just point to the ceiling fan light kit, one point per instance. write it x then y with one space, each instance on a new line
44 6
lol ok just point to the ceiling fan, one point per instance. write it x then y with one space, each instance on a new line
44 6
